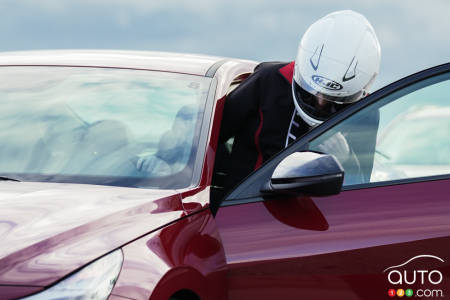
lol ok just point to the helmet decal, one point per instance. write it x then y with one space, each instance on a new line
351 70
316 65
326 83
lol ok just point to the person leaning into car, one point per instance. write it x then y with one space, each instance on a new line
337 61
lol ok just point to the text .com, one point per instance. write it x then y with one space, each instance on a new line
428 293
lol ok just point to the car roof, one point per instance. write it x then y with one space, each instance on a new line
162 61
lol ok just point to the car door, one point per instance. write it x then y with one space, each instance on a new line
385 234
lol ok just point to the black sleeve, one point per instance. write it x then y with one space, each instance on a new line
239 104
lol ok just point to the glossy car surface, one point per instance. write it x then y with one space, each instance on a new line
114 154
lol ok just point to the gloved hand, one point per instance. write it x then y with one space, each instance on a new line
153 165
336 145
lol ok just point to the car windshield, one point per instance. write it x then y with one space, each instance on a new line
100 125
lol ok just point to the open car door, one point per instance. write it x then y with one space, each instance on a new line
386 232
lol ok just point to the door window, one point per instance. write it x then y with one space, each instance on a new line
404 135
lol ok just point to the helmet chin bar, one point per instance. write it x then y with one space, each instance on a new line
307 118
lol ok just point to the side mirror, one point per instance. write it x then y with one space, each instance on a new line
306 174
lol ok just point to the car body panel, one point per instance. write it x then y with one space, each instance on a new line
14 292
186 255
52 229
160 61
305 246
195 64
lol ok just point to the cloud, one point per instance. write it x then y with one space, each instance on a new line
411 32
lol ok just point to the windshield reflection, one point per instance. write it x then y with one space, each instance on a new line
100 125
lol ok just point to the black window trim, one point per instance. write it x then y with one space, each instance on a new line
239 196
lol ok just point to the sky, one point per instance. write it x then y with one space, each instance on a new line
413 34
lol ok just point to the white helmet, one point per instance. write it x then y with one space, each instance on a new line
337 61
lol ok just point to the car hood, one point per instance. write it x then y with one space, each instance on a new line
48 230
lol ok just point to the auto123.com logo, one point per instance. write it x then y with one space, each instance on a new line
412 282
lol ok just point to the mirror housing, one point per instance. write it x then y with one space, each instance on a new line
306 174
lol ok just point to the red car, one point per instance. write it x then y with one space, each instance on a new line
109 187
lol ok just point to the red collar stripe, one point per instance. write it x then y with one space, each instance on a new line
288 71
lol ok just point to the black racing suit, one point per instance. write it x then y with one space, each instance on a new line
258 114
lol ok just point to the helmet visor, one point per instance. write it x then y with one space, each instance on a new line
336 99
316 106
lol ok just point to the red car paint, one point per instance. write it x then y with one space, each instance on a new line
332 246
294 248
187 254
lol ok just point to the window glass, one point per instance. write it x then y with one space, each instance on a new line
100 125
404 135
